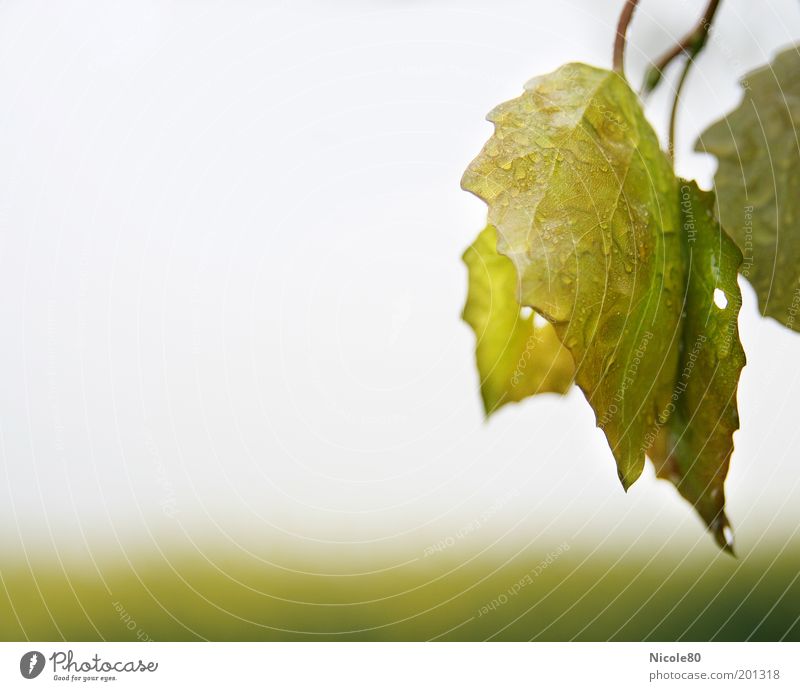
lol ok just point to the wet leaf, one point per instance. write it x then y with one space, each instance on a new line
583 200
695 430
758 183
517 355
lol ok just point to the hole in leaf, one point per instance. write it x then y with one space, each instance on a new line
720 299
525 312
539 320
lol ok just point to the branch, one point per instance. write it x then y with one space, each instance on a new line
674 113
691 44
622 30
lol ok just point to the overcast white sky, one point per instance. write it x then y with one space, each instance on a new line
231 283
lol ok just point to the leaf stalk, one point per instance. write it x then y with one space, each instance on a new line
690 45
622 31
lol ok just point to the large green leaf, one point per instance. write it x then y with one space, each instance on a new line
758 183
583 200
516 355
695 431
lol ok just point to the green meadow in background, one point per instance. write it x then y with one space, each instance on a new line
616 593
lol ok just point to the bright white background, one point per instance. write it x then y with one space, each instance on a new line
230 281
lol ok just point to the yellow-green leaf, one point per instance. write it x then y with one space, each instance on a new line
583 200
758 183
695 431
517 355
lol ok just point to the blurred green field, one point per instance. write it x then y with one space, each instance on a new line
616 594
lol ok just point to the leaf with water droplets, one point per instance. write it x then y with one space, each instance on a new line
694 433
583 200
517 355
758 183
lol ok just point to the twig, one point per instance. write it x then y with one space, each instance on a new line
622 30
691 44
674 113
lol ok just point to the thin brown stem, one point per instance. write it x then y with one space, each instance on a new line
622 31
691 44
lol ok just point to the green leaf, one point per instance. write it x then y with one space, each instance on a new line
695 431
583 200
758 183
516 356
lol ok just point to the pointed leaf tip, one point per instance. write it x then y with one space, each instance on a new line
723 534
694 443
